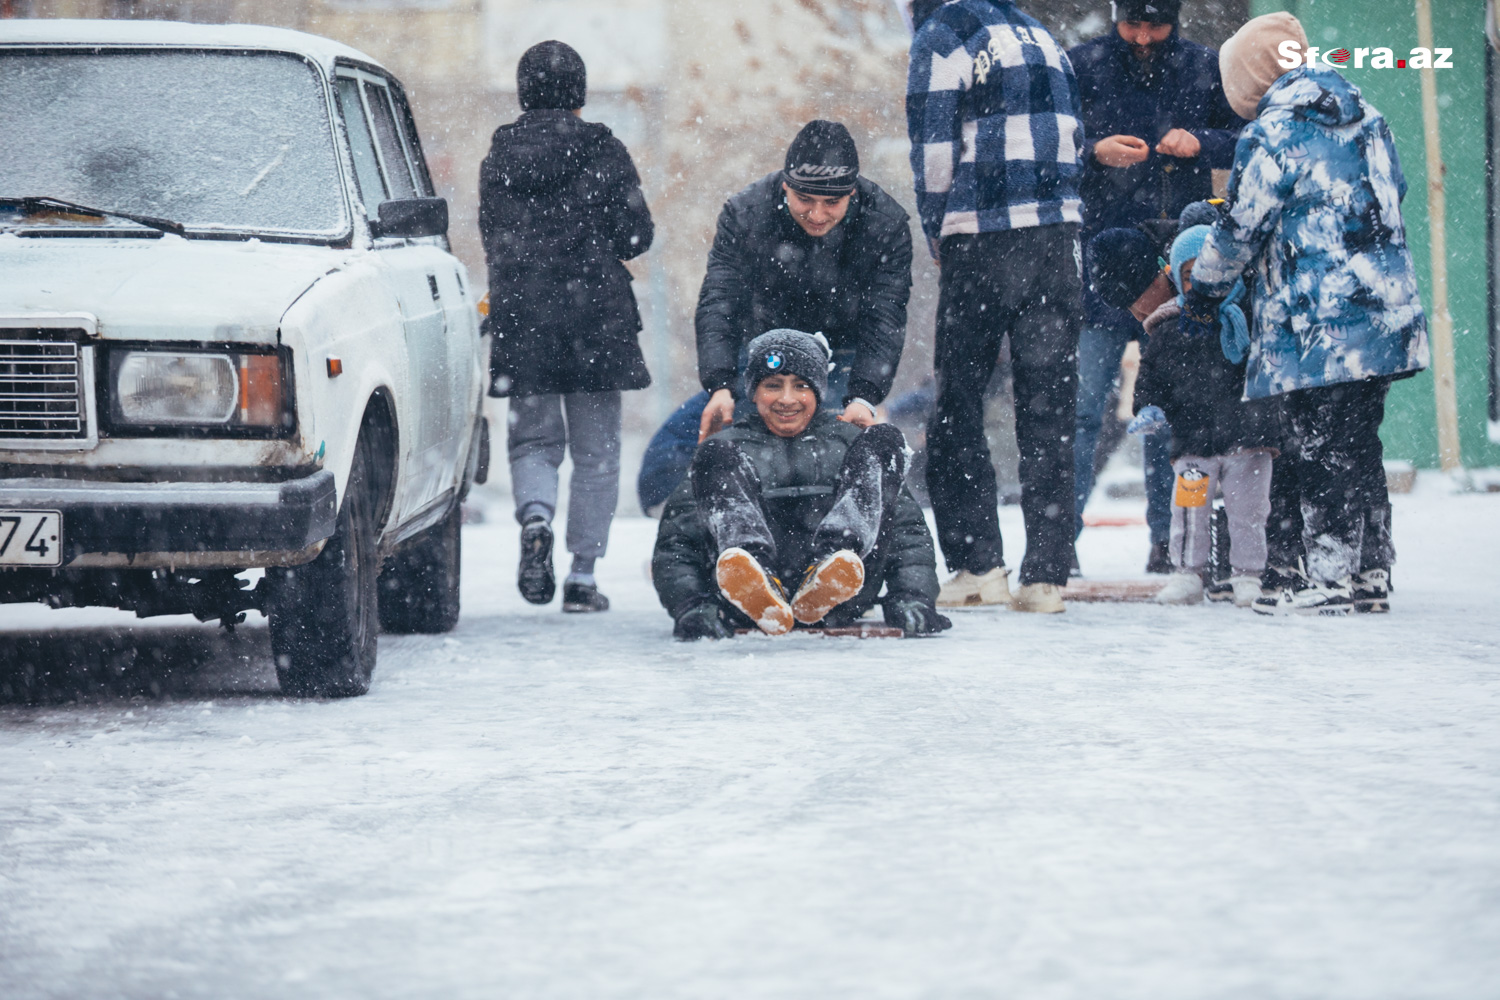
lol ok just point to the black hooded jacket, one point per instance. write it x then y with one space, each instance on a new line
560 207
766 272
798 476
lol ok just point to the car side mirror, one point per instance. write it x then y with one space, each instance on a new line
411 218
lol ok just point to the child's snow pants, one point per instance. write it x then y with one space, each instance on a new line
1245 478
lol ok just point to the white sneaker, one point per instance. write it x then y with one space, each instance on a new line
1038 598
1246 590
971 590
1182 587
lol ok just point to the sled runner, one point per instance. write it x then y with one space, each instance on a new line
859 630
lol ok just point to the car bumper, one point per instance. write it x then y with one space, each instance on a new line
130 519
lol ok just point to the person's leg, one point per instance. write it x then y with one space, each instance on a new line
594 493
1377 552
868 486
1158 461
1197 477
1246 481
1044 358
536 438
1099 351
728 491
667 456
1284 523
960 477
1327 424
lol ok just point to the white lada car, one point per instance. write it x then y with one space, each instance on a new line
231 336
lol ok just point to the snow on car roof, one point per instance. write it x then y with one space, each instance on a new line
176 34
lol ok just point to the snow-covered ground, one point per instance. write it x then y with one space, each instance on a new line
1124 801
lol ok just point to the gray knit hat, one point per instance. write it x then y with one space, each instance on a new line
789 352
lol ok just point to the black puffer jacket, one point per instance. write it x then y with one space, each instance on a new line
765 272
1200 392
560 207
798 476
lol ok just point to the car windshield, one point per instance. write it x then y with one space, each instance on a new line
211 140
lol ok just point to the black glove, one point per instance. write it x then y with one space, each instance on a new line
701 621
914 616
1200 314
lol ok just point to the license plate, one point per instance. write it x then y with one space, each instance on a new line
30 538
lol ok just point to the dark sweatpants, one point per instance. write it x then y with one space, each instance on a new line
1346 511
1024 284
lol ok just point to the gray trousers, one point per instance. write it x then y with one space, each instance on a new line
538 434
1245 478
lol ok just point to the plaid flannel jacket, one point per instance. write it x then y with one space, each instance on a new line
992 110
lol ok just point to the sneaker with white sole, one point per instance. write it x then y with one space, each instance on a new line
975 590
828 583
1372 592
1246 590
1309 597
1182 587
1039 599
1219 591
746 585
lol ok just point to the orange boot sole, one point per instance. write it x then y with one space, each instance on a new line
827 585
745 584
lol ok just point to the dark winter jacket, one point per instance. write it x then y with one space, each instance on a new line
1180 88
1200 392
765 272
560 207
798 476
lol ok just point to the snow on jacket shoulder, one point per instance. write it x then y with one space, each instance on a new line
765 271
560 207
993 116
1317 189
798 476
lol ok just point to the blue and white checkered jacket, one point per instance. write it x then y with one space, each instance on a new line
993 113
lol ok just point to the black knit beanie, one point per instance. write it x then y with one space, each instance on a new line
1155 11
789 352
1122 265
822 160
551 75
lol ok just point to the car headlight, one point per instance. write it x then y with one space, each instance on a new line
153 388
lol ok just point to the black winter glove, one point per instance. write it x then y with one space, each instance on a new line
1200 314
701 621
914 616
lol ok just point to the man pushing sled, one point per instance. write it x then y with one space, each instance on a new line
796 495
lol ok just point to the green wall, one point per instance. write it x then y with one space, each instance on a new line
1410 430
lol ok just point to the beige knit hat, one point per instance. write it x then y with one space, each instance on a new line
1249 61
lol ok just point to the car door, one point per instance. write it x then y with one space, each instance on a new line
384 171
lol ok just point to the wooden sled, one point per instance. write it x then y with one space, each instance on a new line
860 630
1112 591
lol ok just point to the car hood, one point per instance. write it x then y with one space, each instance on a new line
162 289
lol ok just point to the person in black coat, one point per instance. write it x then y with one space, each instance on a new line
1157 123
560 209
790 493
814 246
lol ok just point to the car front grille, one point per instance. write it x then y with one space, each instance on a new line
42 391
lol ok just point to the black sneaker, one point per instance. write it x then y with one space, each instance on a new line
1325 600
1219 590
535 578
1160 562
1074 572
579 598
1275 581
1372 592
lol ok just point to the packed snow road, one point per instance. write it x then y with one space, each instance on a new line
1121 802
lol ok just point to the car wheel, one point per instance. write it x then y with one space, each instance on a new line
419 586
323 615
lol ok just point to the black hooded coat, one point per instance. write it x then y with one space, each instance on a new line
560 208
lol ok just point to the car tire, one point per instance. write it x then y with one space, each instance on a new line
324 621
419 586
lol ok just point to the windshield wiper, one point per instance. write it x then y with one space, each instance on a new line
33 204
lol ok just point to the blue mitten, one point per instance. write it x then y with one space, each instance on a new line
1150 420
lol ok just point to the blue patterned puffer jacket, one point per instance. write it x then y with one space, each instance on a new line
1317 191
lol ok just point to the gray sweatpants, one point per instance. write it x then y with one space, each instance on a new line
591 434
1245 478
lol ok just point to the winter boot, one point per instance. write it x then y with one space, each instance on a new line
1222 591
828 584
1160 561
535 577
1308 597
1245 590
974 590
1372 592
1272 582
1038 598
1183 587
746 585
582 596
